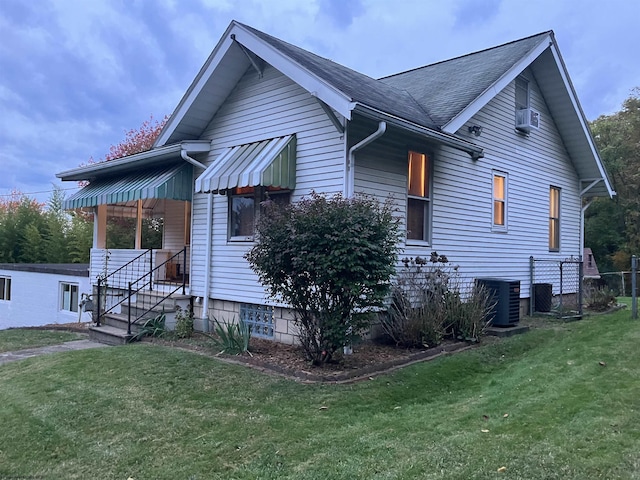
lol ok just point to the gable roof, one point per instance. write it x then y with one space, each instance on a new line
434 101
450 86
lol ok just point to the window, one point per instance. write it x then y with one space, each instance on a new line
554 219
499 201
69 297
5 288
522 93
244 205
419 199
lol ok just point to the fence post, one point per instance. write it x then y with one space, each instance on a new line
129 311
580 285
560 312
184 270
531 292
99 304
634 295
150 269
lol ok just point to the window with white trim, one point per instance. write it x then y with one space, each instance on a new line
69 297
419 197
244 208
554 219
499 206
5 288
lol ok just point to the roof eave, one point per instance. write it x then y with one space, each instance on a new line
142 159
333 97
582 118
435 136
453 125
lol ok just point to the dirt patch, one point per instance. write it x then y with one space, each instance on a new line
79 327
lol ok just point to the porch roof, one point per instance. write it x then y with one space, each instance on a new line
270 163
173 182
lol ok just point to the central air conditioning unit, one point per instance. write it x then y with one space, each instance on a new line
505 297
527 118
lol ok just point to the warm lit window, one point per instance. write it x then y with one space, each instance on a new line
69 297
522 93
500 200
419 199
244 207
554 219
5 288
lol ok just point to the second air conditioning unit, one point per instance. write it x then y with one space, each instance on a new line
526 119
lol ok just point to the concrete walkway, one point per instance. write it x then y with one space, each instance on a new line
7 357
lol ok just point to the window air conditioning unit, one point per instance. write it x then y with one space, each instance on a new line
527 118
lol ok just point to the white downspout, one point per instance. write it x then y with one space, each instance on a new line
191 160
207 274
207 262
582 210
350 177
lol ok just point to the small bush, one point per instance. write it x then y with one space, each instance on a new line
231 337
328 259
153 327
467 318
184 322
601 299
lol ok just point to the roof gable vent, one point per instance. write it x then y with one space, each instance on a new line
526 119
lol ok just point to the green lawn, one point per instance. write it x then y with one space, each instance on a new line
18 339
150 412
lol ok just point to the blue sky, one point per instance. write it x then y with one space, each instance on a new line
76 74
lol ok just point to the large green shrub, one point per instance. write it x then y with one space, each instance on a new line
327 258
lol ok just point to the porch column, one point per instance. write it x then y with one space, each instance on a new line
100 226
139 225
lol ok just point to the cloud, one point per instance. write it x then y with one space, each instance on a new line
74 76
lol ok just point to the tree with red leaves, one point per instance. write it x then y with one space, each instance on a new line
136 140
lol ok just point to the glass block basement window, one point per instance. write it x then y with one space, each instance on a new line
259 318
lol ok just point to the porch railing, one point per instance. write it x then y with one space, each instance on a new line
127 283
146 303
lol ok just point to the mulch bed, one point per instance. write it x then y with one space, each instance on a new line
368 359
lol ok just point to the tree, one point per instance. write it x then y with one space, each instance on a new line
136 140
328 258
121 231
613 226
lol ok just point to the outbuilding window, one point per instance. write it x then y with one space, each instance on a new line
5 288
68 297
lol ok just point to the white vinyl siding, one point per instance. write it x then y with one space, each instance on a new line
258 109
462 193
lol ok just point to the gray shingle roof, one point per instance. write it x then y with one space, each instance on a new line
359 87
448 87
431 95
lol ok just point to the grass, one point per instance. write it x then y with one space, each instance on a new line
151 412
17 339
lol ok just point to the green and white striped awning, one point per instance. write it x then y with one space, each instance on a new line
174 183
269 163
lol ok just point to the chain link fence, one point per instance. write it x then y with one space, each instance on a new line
556 287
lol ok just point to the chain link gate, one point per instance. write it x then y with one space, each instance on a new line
556 287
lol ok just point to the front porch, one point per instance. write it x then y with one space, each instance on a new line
140 260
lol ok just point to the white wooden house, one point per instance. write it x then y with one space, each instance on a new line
33 294
488 157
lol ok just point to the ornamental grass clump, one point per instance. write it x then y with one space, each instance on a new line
327 258
429 302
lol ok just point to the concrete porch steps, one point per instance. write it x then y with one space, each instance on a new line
109 335
113 328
